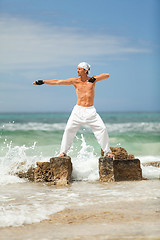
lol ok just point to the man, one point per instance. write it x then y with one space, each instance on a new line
84 112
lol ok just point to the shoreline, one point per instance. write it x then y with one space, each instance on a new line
127 219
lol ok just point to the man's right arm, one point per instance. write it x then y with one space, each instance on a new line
68 81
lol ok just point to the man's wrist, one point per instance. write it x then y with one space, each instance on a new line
39 82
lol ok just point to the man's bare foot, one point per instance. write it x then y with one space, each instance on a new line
62 155
111 155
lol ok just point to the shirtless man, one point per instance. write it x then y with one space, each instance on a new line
84 112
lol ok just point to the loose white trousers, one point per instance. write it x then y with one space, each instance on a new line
85 116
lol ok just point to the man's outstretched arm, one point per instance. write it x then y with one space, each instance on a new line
101 77
68 81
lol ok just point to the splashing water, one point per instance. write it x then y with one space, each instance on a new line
85 165
37 137
22 201
15 160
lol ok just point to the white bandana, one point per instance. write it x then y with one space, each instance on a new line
85 65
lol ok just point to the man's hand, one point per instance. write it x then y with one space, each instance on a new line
38 82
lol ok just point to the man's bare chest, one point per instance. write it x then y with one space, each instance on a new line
84 87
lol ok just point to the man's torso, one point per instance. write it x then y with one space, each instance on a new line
85 92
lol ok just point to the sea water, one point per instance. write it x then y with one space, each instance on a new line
28 138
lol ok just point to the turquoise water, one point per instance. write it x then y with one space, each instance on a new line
29 138
138 133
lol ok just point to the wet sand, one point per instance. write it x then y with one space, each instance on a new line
137 219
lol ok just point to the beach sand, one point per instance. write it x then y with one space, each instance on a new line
137 219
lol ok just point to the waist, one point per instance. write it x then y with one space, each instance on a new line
82 107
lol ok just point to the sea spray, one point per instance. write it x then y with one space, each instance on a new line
14 160
85 165
22 202
150 172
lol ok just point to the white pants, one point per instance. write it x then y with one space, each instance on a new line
88 116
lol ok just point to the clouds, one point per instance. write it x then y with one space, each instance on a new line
28 44
47 39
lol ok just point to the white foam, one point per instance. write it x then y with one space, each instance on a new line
112 127
134 127
20 214
33 126
28 203
85 165
35 202
149 158
13 161
150 172
6 178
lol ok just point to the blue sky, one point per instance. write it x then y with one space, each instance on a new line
48 39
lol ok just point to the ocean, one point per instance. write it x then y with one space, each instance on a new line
32 137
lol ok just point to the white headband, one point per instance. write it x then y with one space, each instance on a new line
85 65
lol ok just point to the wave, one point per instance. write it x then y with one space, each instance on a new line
150 172
144 127
85 163
22 206
32 126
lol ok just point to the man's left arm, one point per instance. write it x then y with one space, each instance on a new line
100 77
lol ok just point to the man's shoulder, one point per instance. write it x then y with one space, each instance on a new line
76 79
73 78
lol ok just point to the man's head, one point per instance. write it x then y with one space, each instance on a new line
85 66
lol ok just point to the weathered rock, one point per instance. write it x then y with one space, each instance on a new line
22 170
131 156
58 171
43 172
153 164
119 153
129 170
122 167
62 169
29 174
106 169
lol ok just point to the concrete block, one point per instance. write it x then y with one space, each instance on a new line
127 170
106 169
58 171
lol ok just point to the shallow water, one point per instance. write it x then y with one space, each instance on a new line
28 138
26 203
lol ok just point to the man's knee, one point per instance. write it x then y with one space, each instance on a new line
68 129
103 129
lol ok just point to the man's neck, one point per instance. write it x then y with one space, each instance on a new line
83 78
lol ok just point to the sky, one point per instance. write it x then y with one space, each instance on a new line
47 39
